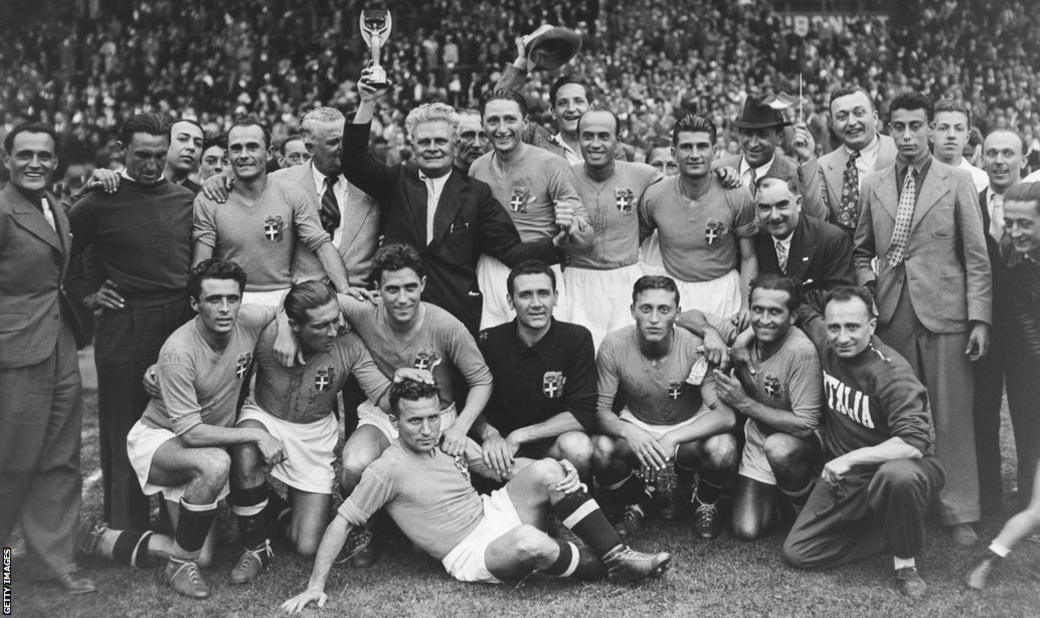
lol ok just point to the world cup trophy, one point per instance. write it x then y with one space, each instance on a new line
375 30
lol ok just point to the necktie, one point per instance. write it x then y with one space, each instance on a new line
847 214
996 215
750 175
781 257
904 216
48 214
329 207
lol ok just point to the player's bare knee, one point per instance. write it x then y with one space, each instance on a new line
747 529
783 452
576 447
547 471
602 452
354 464
720 452
530 544
212 466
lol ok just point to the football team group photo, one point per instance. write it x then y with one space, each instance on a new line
474 307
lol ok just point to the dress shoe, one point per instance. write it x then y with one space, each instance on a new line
910 583
75 584
964 534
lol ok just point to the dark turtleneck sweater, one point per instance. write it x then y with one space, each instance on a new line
141 235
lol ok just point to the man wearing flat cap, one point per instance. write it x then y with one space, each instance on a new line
761 133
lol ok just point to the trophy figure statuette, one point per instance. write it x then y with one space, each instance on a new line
375 30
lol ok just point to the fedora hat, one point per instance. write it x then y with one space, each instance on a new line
551 47
759 114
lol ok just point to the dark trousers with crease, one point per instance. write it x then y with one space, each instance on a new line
127 342
869 511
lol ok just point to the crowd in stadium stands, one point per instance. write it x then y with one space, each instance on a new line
649 60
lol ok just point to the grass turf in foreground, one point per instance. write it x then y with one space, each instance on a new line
712 578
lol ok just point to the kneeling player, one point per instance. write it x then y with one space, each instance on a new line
295 406
781 401
671 412
544 372
179 446
486 539
878 442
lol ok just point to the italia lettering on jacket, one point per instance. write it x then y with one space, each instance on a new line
847 401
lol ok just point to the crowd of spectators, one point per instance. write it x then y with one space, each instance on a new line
650 60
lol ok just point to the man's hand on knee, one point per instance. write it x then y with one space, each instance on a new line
570 482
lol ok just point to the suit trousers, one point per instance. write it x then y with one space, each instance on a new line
871 510
940 363
41 416
127 342
989 394
1023 389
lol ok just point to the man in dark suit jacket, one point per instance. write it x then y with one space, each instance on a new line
1002 159
451 219
814 253
40 406
921 220
761 134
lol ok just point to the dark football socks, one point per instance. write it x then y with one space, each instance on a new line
708 492
631 490
127 547
580 513
576 562
193 524
248 505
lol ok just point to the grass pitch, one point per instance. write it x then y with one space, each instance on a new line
723 577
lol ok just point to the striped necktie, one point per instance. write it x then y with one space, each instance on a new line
330 207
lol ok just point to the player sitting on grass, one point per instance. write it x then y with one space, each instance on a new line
487 539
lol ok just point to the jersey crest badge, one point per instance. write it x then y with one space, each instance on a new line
713 231
520 198
426 360
273 227
675 389
623 199
323 378
552 384
772 386
242 364
461 466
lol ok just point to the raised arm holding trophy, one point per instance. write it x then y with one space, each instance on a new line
375 30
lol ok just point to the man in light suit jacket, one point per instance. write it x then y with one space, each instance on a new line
920 218
355 227
814 253
855 121
40 406
761 134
